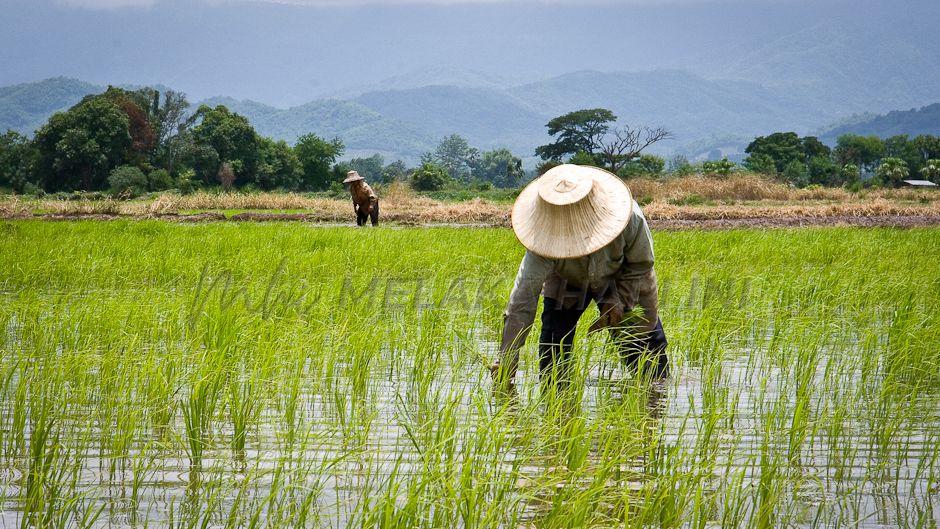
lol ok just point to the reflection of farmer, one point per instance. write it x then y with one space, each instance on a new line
586 239
365 201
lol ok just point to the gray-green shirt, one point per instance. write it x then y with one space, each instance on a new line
625 264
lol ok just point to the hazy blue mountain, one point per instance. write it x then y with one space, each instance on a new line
362 129
488 118
25 107
848 65
924 120
709 118
431 76
690 106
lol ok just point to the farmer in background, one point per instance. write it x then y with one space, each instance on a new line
365 201
586 240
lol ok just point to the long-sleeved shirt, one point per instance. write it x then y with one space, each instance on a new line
621 272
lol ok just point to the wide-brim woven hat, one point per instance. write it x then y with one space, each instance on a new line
352 176
571 211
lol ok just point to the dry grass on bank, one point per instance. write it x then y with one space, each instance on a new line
752 187
692 198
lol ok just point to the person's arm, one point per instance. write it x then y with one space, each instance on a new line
520 311
636 281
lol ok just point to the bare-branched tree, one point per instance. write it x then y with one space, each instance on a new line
626 143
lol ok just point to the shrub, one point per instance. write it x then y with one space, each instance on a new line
159 179
186 182
850 173
721 167
336 190
795 173
693 199
646 164
429 177
127 180
680 166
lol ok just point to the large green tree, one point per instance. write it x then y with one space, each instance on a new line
455 154
78 148
17 156
862 151
369 168
278 166
136 104
316 157
813 148
578 131
928 146
396 170
231 136
500 168
172 122
903 148
799 161
782 148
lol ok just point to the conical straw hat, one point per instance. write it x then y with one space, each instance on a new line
571 211
352 176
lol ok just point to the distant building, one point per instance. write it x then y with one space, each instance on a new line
920 183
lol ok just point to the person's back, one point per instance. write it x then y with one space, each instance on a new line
365 201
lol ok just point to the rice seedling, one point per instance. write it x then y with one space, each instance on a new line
283 375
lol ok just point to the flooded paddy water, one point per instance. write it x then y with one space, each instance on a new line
152 376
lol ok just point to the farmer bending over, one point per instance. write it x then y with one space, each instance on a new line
586 240
365 201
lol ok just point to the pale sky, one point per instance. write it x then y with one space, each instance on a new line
108 4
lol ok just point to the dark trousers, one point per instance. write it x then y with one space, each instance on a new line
362 216
557 338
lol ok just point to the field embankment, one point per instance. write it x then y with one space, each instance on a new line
694 201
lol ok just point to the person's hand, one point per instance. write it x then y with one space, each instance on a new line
503 383
611 316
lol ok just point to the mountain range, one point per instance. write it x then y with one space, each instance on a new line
707 117
913 122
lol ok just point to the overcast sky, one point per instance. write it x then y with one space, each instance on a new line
283 53
106 4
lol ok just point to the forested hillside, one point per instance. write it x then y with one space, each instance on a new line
913 122
705 116
24 107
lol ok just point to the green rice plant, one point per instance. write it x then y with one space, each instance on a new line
198 410
311 376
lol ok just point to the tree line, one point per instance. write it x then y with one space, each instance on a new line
803 161
587 137
129 142
132 141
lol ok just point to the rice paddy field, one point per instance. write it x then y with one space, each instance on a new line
157 374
